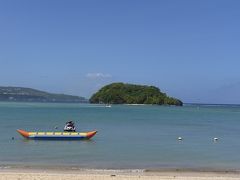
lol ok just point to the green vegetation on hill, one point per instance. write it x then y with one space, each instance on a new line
32 95
120 93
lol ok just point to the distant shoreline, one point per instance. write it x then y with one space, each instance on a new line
211 104
51 102
23 94
87 102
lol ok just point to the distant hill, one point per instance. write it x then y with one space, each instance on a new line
120 93
22 94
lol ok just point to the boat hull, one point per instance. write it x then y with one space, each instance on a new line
57 135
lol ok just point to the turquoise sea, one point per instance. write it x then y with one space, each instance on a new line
129 137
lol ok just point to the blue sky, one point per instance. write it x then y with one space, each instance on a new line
189 49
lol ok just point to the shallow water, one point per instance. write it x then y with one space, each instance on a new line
141 137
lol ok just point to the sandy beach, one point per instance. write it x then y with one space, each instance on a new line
46 174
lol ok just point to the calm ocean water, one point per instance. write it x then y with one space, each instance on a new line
141 137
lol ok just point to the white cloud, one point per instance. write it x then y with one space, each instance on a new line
98 75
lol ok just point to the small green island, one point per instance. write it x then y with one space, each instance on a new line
121 93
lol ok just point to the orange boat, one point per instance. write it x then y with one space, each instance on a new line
57 135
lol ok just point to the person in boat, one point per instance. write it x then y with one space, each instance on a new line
69 127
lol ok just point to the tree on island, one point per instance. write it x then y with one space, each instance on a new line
120 93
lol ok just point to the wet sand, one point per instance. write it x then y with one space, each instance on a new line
71 174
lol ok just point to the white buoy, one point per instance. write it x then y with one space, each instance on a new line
180 138
215 139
